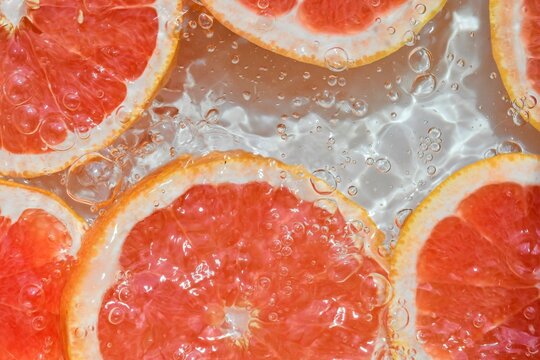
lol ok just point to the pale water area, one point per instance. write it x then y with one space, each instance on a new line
386 133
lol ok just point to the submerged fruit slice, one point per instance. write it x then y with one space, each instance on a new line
333 33
74 74
229 256
515 40
467 265
39 237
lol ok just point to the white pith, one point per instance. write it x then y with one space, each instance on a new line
15 199
12 10
139 92
518 168
510 53
287 34
99 274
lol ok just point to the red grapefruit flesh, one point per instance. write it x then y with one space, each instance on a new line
235 266
67 67
36 254
360 31
478 271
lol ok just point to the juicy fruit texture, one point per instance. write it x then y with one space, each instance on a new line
531 38
330 16
65 65
478 275
34 267
243 271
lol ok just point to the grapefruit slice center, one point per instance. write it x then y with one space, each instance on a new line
479 275
237 271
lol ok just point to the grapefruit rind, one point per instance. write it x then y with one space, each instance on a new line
99 256
443 202
139 95
15 198
506 20
287 37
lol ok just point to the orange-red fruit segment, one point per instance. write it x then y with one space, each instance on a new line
75 74
515 39
229 256
39 238
467 265
334 33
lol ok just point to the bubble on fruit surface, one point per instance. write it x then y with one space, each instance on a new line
402 216
382 288
398 317
424 85
383 165
18 88
336 59
31 297
93 179
323 182
205 21
55 134
420 60
26 119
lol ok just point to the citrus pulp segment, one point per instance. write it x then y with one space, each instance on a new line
39 238
333 33
75 74
466 271
516 48
229 256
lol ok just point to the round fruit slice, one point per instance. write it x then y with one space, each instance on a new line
333 33
74 74
466 271
230 256
39 238
516 48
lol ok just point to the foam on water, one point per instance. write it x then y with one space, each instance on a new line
388 132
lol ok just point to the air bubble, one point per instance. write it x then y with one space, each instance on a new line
383 165
71 101
336 59
116 315
31 297
420 9
205 21
431 170
352 190
420 60
18 88
529 312
424 85
55 134
401 217
39 323
26 119
479 321
398 317
360 108
508 147
323 182
382 287
93 179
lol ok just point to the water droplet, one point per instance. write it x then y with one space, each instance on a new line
26 119
401 217
383 165
93 179
31 297
323 182
205 21
420 60
507 147
336 59
424 85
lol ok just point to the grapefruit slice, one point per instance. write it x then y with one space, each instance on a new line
466 269
229 256
516 48
332 33
75 74
39 238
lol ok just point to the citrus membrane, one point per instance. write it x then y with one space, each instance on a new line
334 33
229 256
516 49
39 238
75 74
466 270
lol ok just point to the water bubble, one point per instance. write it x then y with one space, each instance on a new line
18 88
323 182
273 317
409 38
398 317
336 59
454 86
80 333
421 337
26 119
493 75
420 60
31 297
401 217
431 170
246 95
435 147
420 8
326 99
507 147
116 315
529 312
370 161
424 85
383 165
393 95
55 134
479 321
39 323
352 190
205 21
461 63
71 101
490 153
93 179
382 287
391 30
360 108
235 59
341 270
